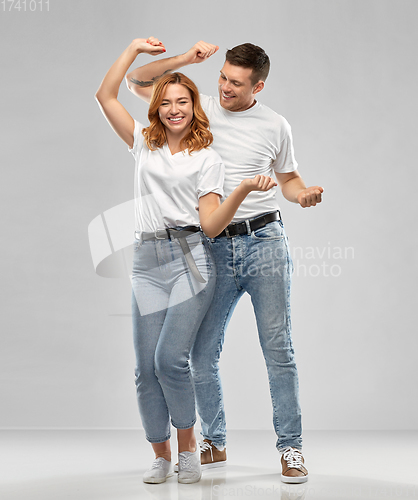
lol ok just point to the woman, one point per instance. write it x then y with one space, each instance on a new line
178 188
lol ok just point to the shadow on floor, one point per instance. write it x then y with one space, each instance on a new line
234 482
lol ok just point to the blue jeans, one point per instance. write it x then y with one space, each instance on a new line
168 305
258 263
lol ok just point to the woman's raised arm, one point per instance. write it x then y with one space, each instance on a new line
107 94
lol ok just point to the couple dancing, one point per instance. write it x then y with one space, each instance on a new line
208 229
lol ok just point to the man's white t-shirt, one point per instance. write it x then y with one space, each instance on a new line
250 142
168 187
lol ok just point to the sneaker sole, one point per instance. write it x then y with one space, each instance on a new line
188 480
214 465
158 480
294 480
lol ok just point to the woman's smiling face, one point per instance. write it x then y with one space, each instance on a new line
176 110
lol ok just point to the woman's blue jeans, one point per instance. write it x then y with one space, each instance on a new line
168 305
258 263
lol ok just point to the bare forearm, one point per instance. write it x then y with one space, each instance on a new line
214 217
109 88
295 190
140 80
216 221
145 76
291 189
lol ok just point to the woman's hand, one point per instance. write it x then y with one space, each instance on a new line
150 45
259 183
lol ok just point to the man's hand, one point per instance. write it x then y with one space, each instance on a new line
310 196
200 52
258 183
150 45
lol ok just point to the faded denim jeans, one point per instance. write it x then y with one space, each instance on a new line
168 305
259 264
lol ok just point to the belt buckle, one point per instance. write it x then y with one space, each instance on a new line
227 232
160 231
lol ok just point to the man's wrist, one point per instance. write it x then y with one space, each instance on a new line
180 60
300 191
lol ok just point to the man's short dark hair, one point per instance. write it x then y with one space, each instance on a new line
248 55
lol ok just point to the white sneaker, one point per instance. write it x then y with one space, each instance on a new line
159 472
189 466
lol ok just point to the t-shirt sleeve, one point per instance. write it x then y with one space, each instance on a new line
211 179
138 139
285 160
204 101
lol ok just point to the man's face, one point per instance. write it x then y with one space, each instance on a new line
236 91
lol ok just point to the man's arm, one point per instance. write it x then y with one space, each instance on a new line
294 189
141 80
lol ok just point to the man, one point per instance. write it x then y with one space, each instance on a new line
252 254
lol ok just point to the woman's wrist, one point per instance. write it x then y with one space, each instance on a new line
244 187
135 47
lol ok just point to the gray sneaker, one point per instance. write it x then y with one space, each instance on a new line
160 470
189 467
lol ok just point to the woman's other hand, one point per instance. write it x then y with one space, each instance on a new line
258 183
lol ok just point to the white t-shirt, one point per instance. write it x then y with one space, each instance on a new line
168 187
250 142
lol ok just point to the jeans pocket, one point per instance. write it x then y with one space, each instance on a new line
137 244
271 231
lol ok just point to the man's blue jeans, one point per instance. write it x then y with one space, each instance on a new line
168 305
258 263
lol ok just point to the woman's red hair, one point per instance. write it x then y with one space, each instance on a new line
199 136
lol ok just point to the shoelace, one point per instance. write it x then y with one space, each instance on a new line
293 458
158 463
204 446
185 463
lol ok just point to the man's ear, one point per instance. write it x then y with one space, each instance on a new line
258 87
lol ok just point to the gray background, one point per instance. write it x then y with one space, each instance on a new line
344 75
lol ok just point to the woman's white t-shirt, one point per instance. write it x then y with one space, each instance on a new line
168 187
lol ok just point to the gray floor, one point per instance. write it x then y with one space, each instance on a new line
108 465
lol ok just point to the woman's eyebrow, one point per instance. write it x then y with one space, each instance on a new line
178 99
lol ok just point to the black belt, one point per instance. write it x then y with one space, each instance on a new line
180 234
246 226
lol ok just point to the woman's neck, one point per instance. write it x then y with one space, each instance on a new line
174 142
174 146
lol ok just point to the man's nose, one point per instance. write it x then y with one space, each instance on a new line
225 87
